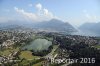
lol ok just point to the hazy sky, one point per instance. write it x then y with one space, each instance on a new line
76 12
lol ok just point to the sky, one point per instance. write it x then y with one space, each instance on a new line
75 12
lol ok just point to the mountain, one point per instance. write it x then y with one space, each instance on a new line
53 25
93 27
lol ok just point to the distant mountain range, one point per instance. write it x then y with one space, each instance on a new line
53 25
93 27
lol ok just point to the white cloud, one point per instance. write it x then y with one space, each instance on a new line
95 17
5 19
39 6
42 15
86 14
27 15
90 17
47 13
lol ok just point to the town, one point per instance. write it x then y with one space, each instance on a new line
63 46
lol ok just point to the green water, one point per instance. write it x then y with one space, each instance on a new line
38 45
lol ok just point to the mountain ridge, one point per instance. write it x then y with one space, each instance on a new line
93 27
51 25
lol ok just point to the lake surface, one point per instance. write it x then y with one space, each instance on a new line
86 33
38 45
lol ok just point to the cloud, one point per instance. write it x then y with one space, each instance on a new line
47 13
27 15
89 16
39 6
42 14
5 19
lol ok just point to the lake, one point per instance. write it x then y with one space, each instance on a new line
38 45
85 33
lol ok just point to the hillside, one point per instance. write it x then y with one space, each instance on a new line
93 27
53 25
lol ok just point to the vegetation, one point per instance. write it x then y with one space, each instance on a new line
75 48
27 55
97 46
8 51
43 52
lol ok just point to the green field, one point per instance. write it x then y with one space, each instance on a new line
54 50
97 46
8 51
27 55
38 64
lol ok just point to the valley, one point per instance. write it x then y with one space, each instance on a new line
49 33
22 48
